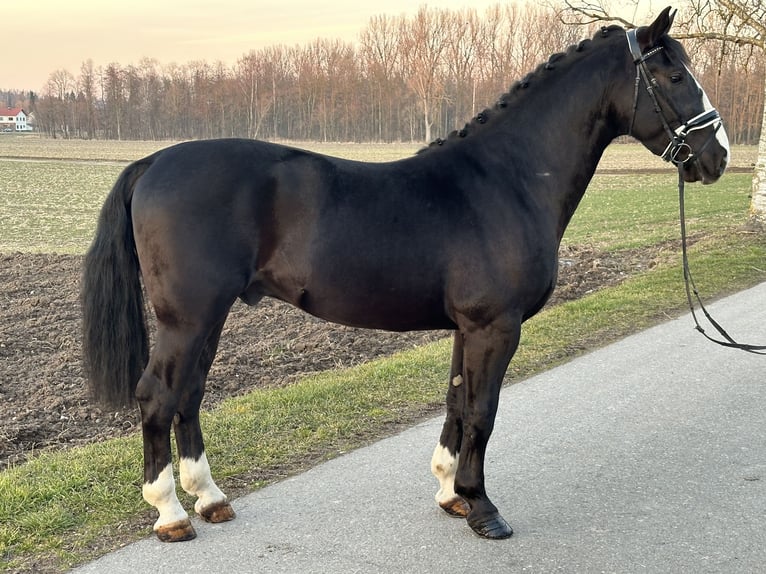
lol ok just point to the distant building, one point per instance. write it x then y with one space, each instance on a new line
14 120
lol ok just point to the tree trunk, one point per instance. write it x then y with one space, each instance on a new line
758 202
427 120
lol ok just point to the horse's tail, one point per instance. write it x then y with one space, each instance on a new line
115 342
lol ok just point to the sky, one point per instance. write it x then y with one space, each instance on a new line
61 35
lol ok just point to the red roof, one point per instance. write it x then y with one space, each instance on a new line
11 111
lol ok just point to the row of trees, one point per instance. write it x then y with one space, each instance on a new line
406 79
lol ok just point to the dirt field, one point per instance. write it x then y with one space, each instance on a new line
43 396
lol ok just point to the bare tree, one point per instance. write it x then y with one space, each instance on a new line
498 66
87 87
55 114
279 78
334 66
463 49
424 41
729 22
381 52
153 97
114 99
257 97
308 90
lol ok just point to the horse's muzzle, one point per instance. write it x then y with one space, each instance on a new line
707 168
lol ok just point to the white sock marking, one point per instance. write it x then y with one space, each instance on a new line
162 495
197 481
444 467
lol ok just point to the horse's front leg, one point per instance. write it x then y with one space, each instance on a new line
486 354
446 454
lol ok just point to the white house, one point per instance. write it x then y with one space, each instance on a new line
14 120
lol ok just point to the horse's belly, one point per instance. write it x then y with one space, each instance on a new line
377 309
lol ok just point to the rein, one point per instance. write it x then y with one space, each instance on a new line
692 288
679 153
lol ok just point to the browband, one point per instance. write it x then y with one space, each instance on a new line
635 48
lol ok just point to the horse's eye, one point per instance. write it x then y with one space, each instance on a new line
676 78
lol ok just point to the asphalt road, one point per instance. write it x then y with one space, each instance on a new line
648 455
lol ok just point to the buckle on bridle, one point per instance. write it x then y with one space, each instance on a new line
673 153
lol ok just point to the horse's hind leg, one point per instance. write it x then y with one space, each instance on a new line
196 479
171 389
444 462
157 394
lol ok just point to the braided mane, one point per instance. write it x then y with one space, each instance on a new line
519 90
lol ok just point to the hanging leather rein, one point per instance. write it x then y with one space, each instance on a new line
692 288
679 153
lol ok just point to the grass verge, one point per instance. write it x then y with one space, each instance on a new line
63 508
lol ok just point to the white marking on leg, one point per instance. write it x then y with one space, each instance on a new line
162 495
197 481
444 467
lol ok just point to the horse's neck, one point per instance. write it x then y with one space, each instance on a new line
576 159
561 132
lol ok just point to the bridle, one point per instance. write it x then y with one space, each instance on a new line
680 153
677 151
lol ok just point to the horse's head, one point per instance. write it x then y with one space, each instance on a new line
671 115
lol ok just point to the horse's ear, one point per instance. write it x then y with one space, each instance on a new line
649 36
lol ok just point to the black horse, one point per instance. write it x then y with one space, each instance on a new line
462 236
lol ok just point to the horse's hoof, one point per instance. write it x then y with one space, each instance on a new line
456 507
219 512
493 527
179 531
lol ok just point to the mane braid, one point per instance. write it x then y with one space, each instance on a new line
518 89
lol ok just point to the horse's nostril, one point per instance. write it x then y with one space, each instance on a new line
724 163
